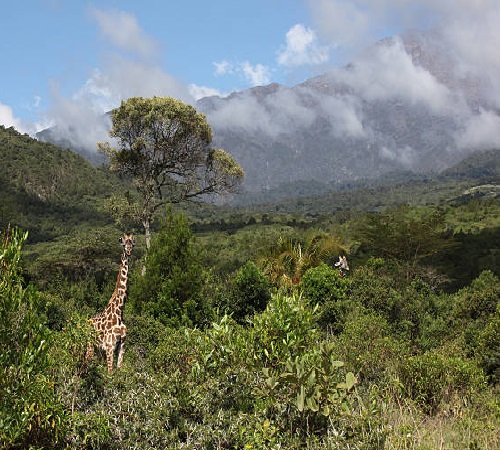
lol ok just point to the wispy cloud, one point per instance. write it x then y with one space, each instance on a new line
223 67
302 48
198 92
123 31
257 74
132 68
253 74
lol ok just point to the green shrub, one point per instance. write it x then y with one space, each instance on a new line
375 289
323 283
434 380
368 347
325 286
170 290
30 411
488 347
250 292
473 309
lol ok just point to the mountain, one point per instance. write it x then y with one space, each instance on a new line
404 104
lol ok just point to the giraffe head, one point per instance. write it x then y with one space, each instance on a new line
128 242
342 263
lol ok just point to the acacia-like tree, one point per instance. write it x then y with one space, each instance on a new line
165 146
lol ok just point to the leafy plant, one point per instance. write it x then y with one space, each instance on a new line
30 412
250 292
325 286
170 289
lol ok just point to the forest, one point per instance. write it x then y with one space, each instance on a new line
242 331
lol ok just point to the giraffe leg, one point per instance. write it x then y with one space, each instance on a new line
110 351
121 351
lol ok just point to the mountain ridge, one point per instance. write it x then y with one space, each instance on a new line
401 105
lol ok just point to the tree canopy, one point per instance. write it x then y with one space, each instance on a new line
165 146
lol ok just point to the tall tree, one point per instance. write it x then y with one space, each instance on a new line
165 145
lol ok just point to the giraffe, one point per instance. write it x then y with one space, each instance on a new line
111 331
342 265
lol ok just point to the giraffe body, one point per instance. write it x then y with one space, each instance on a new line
108 324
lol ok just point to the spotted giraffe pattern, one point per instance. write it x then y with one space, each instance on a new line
111 331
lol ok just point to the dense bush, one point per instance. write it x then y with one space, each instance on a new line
325 286
368 346
250 292
30 411
488 346
170 289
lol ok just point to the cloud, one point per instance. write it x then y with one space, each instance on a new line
287 109
198 92
80 117
7 118
388 72
121 78
481 131
77 119
302 48
223 67
254 75
123 31
464 32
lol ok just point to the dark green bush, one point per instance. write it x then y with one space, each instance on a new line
170 290
488 347
323 285
250 293
368 347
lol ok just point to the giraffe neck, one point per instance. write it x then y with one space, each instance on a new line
119 296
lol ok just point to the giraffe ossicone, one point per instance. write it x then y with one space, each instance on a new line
111 331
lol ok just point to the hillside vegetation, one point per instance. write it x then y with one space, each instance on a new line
242 333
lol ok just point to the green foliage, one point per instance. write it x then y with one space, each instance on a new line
477 301
368 347
473 310
90 254
292 257
323 283
325 286
249 293
170 290
30 412
432 379
488 346
405 234
276 381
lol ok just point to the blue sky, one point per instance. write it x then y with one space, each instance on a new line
65 59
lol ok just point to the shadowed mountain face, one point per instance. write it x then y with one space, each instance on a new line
403 104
